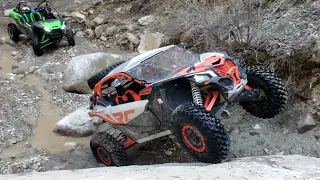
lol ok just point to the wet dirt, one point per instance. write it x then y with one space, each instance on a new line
44 137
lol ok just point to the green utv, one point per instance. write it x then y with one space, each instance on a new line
43 32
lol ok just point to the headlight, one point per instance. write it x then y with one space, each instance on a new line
200 78
47 29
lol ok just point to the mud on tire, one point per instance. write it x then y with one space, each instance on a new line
13 32
101 74
202 135
107 150
36 46
70 37
273 88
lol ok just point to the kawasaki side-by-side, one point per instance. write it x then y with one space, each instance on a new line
171 90
43 32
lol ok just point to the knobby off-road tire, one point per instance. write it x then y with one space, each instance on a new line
13 32
213 140
101 74
36 46
274 90
107 150
70 37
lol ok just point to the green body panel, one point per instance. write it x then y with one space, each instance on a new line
52 25
16 16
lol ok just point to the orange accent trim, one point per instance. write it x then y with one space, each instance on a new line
145 91
234 74
249 88
183 131
210 100
105 118
100 157
135 96
129 142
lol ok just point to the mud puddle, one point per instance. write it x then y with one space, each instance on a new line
44 137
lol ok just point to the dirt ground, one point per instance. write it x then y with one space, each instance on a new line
32 103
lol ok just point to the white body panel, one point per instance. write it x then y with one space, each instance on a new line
123 113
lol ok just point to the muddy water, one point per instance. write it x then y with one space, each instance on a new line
44 137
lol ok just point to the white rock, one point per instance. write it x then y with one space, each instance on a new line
82 67
77 124
104 39
150 41
14 53
80 34
70 144
7 13
256 127
79 17
146 20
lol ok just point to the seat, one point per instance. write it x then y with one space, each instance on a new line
29 18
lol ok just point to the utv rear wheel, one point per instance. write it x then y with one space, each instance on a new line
36 46
101 74
107 150
70 37
13 32
272 87
201 134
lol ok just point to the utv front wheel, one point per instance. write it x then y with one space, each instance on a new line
70 37
13 32
36 47
271 88
107 150
201 134
101 74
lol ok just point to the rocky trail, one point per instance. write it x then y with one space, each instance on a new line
33 100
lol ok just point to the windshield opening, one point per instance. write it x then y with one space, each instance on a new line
163 65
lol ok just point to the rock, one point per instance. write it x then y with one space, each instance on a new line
79 17
285 132
306 123
266 150
77 124
82 67
70 144
90 34
290 167
5 40
99 20
256 127
146 20
76 2
35 167
150 41
103 38
98 31
80 34
128 41
110 31
12 141
6 13
28 145
129 27
88 24
169 153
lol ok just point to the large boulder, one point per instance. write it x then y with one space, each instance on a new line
128 41
82 67
99 20
77 124
293 167
150 41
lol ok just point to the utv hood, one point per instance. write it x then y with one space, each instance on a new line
50 24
